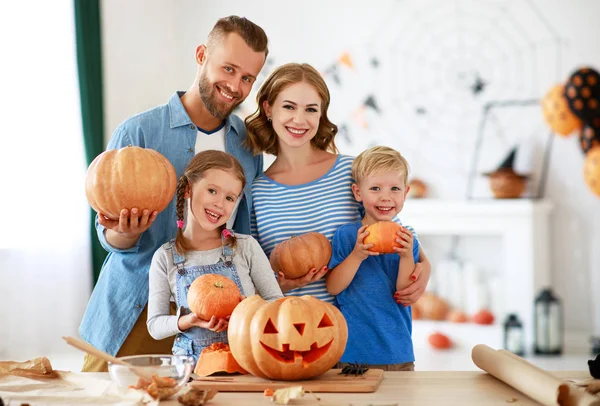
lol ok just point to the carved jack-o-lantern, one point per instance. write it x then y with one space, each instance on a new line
289 339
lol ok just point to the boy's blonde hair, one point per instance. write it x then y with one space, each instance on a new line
377 160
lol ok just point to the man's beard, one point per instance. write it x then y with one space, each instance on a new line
215 107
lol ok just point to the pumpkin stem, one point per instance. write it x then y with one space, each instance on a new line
219 284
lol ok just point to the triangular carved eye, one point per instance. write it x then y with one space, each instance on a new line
325 322
270 328
299 327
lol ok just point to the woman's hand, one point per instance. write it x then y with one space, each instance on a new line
410 294
129 225
313 275
192 320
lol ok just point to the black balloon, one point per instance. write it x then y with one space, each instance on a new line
590 135
582 92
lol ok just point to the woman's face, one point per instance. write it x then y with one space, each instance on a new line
295 114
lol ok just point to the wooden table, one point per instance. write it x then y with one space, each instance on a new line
420 388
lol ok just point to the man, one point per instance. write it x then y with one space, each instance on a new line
192 121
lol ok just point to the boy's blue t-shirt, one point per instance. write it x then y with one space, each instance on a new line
379 329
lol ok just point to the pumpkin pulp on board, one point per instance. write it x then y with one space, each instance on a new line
217 357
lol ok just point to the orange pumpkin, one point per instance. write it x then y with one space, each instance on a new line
439 341
591 170
290 339
213 295
130 177
298 255
457 316
483 317
217 357
432 307
557 113
383 236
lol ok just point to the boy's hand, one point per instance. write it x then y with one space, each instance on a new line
313 275
192 320
361 250
405 239
129 225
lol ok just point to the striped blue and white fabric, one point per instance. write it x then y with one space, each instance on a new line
281 212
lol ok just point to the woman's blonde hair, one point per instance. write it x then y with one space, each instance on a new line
379 159
260 134
202 162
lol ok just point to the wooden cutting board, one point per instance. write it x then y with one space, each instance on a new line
330 381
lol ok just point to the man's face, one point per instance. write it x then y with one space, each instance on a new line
229 69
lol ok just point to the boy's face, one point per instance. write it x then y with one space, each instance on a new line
382 195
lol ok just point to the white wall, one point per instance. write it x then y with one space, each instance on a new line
428 52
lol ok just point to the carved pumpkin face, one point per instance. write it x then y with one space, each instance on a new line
290 339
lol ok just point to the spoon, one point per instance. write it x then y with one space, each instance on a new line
90 349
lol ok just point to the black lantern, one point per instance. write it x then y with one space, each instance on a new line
513 335
548 324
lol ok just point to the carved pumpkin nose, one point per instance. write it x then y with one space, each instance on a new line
300 328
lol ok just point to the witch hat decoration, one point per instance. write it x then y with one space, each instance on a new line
595 367
509 160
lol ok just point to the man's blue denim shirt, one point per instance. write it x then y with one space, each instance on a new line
121 292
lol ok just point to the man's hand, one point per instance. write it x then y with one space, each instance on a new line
129 225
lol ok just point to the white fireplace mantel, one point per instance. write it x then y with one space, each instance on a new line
522 225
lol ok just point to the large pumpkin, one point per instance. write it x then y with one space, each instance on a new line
130 177
298 255
289 339
383 236
215 358
213 295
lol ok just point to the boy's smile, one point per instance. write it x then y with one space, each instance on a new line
382 195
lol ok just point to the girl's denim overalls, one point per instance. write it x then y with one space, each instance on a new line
192 341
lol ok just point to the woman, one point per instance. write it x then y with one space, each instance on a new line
308 186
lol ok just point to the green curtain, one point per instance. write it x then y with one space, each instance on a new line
89 66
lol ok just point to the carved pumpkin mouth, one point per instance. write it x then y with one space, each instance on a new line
288 356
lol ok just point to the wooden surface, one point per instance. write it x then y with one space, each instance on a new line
331 381
468 388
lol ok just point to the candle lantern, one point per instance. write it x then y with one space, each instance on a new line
513 335
548 324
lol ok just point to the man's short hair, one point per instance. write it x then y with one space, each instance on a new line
252 34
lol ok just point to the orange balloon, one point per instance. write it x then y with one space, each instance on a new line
591 170
557 113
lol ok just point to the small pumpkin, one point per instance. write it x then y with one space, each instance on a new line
130 177
483 316
298 255
432 307
457 316
383 236
439 341
215 358
290 339
213 295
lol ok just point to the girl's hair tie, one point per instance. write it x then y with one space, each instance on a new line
179 223
226 233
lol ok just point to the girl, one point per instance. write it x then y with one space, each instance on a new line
210 185
309 185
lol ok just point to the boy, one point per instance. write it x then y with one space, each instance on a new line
365 282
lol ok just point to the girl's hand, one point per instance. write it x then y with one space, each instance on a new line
129 225
406 243
192 320
361 250
313 275
410 294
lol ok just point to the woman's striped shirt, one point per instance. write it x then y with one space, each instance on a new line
281 212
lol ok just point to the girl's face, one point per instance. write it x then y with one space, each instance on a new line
295 114
213 198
